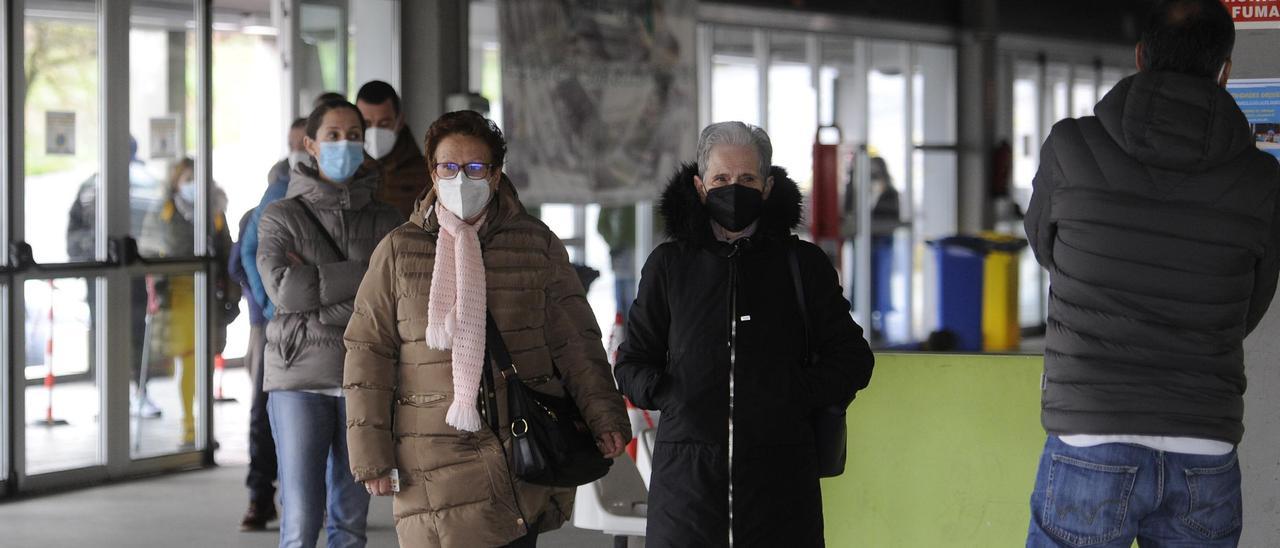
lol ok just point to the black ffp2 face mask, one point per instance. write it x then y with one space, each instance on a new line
735 207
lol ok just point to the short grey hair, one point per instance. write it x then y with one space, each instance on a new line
735 133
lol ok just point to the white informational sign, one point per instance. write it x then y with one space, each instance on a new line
165 139
599 101
60 133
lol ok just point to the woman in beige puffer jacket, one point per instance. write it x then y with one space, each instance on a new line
456 489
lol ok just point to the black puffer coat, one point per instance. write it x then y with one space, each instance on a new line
727 372
1157 222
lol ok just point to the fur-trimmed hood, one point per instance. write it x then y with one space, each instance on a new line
687 219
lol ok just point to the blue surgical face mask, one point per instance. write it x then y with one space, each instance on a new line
187 191
339 160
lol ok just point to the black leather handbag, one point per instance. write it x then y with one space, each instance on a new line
830 431
551 442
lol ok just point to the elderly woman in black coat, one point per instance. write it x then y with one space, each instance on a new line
717 341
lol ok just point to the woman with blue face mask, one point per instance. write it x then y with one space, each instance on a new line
313 249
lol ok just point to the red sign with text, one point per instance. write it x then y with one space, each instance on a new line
1249 13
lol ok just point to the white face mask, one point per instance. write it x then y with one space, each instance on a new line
463 196
299 157
378 142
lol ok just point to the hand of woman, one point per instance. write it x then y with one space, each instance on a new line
610 444
380 487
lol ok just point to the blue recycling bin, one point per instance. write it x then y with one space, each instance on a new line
961 261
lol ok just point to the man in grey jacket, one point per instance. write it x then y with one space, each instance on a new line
1156 219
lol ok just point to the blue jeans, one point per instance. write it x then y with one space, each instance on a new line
1112 494
311 449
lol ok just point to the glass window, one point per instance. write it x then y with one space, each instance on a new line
162 124
486 63
165 408
249 138
322 59
61 134
62 412
1026 128
1057 98
1110 77
793 106
839 87
1084 91
735 76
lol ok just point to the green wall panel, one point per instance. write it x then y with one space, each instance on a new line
942 452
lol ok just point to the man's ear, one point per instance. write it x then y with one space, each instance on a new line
1137 57
701 188
768 187
1225 75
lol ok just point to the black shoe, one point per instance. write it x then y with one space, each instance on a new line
257 516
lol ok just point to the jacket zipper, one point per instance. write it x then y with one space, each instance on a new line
733 362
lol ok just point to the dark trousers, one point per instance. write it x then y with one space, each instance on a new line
528 541
262 446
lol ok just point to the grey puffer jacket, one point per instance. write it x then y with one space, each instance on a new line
1157 220
314 299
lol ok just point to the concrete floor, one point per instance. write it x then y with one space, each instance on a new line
191 510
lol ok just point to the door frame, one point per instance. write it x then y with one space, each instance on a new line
113 268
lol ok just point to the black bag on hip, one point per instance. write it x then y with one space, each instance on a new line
551 442
830 431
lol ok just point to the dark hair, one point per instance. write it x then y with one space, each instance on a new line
470 123
1189 37
377 92
300 123
328 97
317 116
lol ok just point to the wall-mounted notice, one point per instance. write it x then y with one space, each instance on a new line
1254 14
60 133
164 137
1260 101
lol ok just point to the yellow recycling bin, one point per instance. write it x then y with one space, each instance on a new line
1001 330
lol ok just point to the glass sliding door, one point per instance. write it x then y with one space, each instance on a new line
61 389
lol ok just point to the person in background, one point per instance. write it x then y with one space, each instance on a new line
280 172
417 344
262 447
328 97
617 226
390 143
313 249
1157 221
169 231
717 341
145 193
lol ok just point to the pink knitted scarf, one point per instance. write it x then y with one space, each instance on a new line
456 313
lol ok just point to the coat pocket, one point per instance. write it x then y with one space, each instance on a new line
293 335
422 400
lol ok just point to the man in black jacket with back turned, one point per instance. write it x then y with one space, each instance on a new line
1156 219
716 341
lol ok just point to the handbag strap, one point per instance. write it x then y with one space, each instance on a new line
799 287
320 227
497 347
495 351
